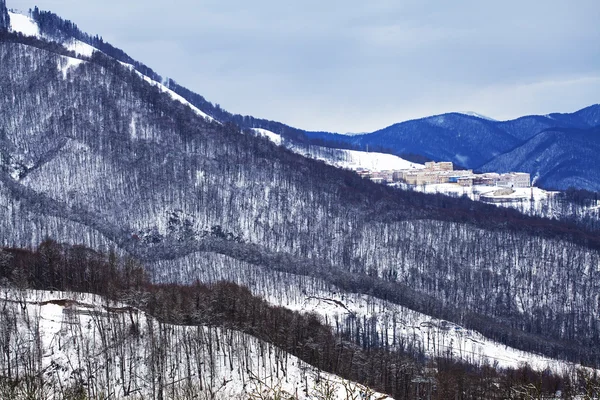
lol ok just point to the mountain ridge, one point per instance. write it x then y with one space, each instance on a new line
559 157
113 161
470 141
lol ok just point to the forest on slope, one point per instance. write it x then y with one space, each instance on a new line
138 324
469 141
95 155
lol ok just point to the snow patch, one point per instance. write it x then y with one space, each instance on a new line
474 114
80 48
354 159
23 24
272 136
67 63
171 93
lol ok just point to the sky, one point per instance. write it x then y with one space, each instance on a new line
357 66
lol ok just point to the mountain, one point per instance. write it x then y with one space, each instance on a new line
560 158
100 154
467 140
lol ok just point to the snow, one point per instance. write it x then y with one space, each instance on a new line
67 63
20 23
79 47
348 159
171 93
354 159
375 161
432 336
474 114
83 337
520 198
272 136
437 338
28 27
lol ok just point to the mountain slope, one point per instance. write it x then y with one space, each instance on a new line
101 156
561 158
466 140
92 346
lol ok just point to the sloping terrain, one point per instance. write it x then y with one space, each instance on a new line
559 158
96 154
466 140
78 344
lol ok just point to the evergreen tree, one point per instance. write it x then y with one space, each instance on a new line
4 18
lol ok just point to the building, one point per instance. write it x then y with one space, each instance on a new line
465 181
514 180
439 166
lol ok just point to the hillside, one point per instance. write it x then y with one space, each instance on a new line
560 158
88 345
466 140
105 330
97 154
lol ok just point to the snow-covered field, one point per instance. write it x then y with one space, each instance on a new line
531 200
362 160
117 352
342 158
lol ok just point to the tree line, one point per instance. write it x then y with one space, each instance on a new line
100 156
54 266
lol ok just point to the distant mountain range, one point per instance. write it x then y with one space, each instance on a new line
95 150
467 139
483 144
559 158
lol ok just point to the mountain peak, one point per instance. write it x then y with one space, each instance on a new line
477 115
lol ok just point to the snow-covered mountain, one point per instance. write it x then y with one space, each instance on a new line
100 152
472 141
560 157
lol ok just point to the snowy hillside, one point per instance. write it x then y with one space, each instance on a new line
562 158
23 24
343 158
104 157
83 343
353 159
400 327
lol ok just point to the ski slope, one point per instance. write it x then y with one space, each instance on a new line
23 24
342 158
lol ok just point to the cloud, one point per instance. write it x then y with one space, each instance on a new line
355 65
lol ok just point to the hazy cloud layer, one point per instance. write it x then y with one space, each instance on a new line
360 65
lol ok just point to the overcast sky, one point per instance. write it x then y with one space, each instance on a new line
356 66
